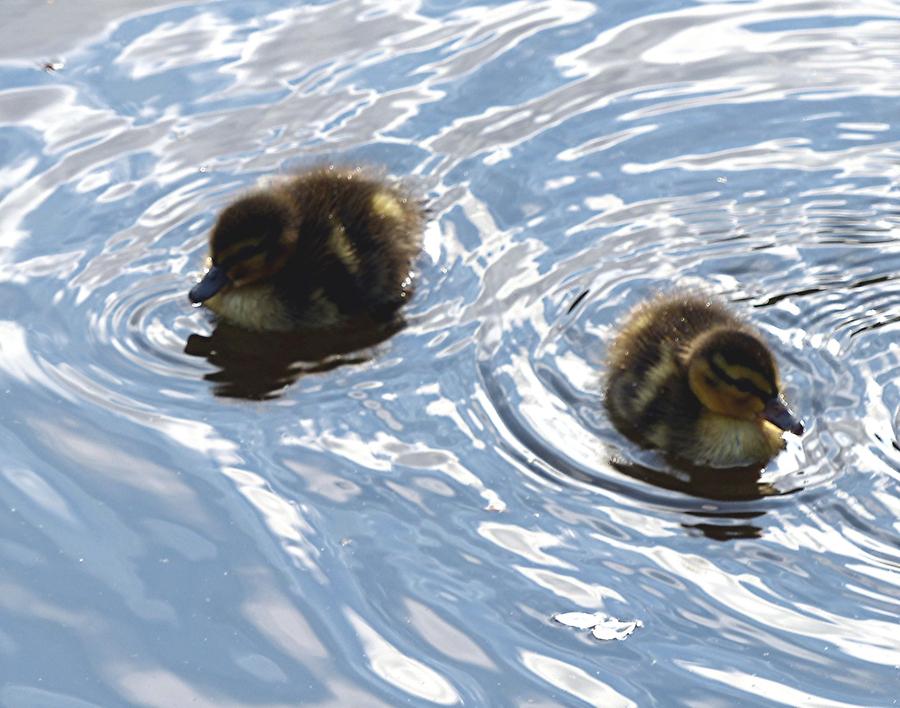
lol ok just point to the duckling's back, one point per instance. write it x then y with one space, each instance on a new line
647 390
358 237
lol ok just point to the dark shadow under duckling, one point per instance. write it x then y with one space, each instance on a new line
314 251
688 377
247 370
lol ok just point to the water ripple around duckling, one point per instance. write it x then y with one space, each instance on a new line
197 514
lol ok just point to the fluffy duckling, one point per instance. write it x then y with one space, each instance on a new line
688 377
314 251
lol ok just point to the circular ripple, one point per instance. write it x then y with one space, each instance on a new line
544 379
149 324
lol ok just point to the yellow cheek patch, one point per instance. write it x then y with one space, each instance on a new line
718 400
256 262
753 403
723 399
249 270
340 245
737 405
386 205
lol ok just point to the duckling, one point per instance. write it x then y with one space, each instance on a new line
687 376
317 250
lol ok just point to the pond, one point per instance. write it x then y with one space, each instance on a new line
191 515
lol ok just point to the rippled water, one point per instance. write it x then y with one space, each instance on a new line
188 518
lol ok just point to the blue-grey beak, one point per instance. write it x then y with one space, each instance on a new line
779 415
214 280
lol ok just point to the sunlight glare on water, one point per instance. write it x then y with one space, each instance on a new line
197 515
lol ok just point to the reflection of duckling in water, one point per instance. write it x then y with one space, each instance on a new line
318 250
247 370
688 377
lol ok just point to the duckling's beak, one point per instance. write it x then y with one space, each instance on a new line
214 280
779 415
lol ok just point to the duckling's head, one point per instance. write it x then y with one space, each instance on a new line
252 240
733 373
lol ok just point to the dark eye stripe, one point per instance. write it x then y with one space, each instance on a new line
242 254
749 387
740 384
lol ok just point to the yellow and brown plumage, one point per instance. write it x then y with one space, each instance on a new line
316 250
687 376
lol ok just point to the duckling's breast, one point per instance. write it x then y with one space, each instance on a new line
256 307
727 442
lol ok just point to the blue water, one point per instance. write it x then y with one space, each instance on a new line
188 517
